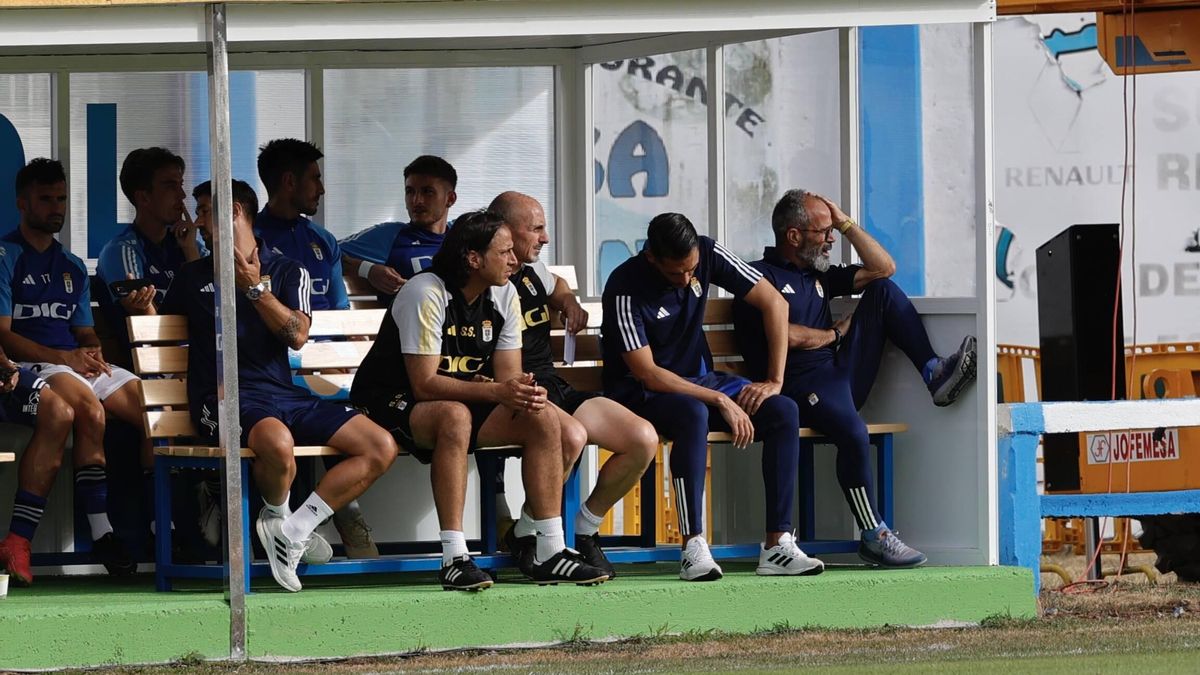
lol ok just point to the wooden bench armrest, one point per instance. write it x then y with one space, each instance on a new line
8 457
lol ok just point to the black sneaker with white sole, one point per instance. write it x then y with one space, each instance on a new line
952 374
462 574
521 549
589 548
114 555
569 567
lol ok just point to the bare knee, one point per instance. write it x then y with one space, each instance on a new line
89 417
574 437
454 425
381 451
53 413
644 442
274 449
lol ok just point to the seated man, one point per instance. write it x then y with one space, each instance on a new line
657 362
153 248
288 168
161 238
422 380
273 314
25 399
605 422
46 324
388 254
832 365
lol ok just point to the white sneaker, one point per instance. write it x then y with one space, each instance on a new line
786 559
283 553
697 563
317 551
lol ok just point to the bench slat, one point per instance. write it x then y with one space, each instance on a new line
165 328
173 391
8 457
215 452
313 356
345 322
718 311
805 432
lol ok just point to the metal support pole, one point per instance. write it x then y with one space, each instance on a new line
226 318
851 197
716 141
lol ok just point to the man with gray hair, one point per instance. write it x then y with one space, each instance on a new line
831 365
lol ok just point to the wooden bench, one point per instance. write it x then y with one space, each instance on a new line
718 325
8 457
160 356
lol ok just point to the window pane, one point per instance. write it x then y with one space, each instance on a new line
494 125
918 154
24 134
783 131
651 142
115 113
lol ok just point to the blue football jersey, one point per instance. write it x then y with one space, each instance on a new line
403 247
314 248
642 310
46 293
808 293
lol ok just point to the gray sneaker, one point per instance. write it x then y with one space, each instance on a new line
882 547
952 374
355 533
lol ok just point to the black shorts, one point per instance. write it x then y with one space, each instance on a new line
392 413
20 406
562 394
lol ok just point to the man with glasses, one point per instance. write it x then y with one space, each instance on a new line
831 365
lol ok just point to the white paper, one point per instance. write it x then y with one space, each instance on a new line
569 349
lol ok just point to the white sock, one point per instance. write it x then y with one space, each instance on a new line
99 524
586 522
454 545
281 511
525 526
300 525
549 538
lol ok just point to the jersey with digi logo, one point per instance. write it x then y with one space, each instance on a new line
314 248
404 247
534 283
427 318
46 293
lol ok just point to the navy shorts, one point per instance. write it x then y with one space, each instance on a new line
20 406
392 412
311 420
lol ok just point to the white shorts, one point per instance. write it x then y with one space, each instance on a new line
102 385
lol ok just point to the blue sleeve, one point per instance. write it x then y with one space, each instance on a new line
731 272
839 280
372 244
338 298
118 260
83 310
622 323
8 263
200 245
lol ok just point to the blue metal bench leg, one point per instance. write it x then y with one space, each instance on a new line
162 518
489 465
883 480
571 497
807 497
247 537
649 504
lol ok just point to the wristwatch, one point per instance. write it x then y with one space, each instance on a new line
255 292
837 339
845 225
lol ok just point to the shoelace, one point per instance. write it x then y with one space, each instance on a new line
892 544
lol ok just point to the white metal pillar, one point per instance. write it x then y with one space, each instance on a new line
851 196
715 58
226 317
985 289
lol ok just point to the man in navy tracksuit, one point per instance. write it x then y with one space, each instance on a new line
831 365
657 364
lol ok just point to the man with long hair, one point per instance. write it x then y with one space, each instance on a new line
444 376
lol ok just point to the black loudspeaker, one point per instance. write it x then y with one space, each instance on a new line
1077 275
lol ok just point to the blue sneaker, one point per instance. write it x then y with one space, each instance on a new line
952 374
882 547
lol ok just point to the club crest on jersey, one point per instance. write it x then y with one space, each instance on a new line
487 331
317 251
529 285
696 290
820 289
265 280
68 285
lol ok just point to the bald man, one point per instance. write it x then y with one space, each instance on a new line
608 424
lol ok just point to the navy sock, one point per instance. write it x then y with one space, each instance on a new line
27 513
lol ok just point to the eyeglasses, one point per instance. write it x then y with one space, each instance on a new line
826 233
